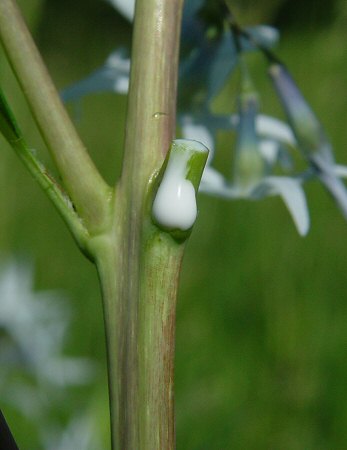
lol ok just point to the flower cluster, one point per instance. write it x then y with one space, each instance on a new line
33 327
214 47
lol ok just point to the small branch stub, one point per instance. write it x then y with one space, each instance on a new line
174 207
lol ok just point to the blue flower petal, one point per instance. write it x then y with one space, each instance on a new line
292 193
125 7
112 76
262 35
305 125
249 165
340 171
224 62
327 175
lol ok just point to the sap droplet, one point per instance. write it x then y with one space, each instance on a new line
174 206
159 114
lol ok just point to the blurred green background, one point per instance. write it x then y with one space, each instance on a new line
261 357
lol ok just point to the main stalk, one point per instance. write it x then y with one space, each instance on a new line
139 264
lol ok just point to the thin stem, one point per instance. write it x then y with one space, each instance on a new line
57 196
12 133
115 320
83 182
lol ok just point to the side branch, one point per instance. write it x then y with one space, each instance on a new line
82 180
11 132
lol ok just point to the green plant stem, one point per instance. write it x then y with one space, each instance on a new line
139 270
12 133
140 330
55 194
156 342
81 179
138 264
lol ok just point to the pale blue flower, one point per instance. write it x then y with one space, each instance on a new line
253 161
113 76
33 328
125 7
309 133
36 323
206 63
80 433
266 147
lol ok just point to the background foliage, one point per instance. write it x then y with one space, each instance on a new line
261 326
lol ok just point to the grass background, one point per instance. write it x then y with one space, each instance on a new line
261 360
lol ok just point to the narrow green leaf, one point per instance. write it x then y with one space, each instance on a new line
11 131
8 124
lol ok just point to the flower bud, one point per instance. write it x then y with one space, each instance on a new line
305 125
249 166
